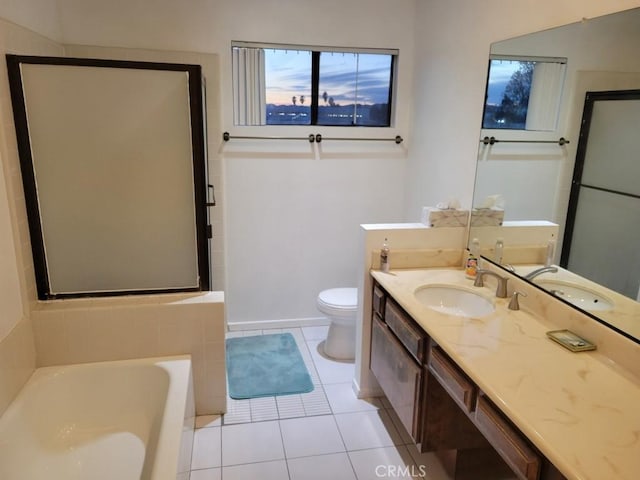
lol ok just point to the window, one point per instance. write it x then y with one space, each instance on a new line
523 93
294 85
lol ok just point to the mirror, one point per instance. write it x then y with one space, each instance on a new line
526 176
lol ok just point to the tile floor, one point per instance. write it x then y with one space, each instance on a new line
325 434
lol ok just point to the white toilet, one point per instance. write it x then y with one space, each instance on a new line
340 306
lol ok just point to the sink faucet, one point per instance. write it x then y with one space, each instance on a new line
540 271
501 291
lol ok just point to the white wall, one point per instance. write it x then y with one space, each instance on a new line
312 223
291 216
451 74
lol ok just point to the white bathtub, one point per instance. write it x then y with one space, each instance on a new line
123 420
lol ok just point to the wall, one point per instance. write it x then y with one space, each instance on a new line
17 352
291 212
446 125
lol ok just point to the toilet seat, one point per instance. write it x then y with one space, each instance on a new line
338 302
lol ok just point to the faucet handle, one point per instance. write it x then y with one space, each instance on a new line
513 303
478 282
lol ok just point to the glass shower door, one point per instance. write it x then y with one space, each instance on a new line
602 239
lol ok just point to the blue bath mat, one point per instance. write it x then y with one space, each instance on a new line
265 366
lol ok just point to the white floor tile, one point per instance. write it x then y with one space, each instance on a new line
290 406
334 466
315 333
208 474
388 462
206 448
406 438
251 442
315 402
238 411
342 399
204 421
311 436
263 408
363 430
263 471
330 371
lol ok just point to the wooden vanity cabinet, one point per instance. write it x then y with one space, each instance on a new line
441 407
396 349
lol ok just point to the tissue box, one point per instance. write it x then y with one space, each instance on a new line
447 218
487 217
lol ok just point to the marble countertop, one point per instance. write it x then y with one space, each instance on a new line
579 411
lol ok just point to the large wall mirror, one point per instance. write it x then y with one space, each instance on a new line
529 172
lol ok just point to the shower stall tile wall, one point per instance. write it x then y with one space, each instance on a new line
118 328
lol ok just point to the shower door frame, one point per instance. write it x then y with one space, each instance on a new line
581 154
199 166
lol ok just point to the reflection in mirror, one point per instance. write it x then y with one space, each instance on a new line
524 177
523 93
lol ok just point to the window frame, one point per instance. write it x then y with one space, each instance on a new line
316 52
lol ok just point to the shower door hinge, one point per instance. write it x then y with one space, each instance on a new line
209 231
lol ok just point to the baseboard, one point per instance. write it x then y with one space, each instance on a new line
284 323
365 393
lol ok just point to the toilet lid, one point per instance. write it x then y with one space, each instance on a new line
340 298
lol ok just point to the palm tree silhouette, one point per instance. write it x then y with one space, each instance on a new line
293 100
324 97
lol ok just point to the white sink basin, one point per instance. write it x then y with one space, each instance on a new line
577 295
454 300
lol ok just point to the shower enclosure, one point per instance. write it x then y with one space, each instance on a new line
602 236
112 157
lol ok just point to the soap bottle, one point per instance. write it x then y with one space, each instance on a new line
471 266
384 257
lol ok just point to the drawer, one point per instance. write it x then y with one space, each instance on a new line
453 379
507 440
378 301
399 376
409 334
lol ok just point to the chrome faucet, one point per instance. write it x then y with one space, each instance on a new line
501 290
540 271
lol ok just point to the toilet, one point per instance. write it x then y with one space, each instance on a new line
340 306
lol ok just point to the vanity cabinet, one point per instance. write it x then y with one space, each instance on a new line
396 353
443 409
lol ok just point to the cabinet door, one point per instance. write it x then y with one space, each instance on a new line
398 374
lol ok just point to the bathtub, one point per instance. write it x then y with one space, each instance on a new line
124 420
